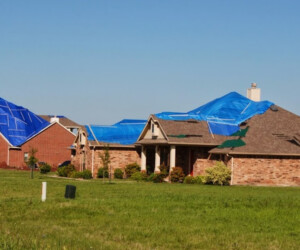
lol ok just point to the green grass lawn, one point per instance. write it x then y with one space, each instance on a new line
130 215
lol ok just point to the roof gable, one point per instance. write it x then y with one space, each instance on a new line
153 130
49 126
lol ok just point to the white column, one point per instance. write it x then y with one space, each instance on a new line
172 157
232 166
93 152
44 191
157 159
143 160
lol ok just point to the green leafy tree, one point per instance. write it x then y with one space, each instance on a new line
32 160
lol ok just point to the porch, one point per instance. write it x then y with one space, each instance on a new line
186 157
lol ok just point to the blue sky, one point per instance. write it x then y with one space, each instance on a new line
101 61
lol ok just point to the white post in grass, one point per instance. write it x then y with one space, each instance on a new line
44 191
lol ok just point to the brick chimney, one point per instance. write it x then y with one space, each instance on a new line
54 119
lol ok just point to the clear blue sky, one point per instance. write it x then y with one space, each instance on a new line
101 61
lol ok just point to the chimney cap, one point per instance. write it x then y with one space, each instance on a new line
253 85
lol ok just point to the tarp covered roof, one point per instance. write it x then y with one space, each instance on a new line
18 124
223 114
125 132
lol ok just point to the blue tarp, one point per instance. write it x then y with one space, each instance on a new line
125 132
18 124
223 115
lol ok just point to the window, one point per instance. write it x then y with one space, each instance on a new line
25 157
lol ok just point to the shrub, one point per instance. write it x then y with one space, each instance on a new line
189 180
177 175
150 177
76 174
139 176
200 179
45 168
118 173
102 172
164 170
158 178
219 174
132 168
66 171
86 174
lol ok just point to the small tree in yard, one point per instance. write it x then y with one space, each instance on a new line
31 162
105 158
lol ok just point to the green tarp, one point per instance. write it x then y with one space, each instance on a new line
241 133
232 144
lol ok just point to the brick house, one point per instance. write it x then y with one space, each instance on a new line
269 153
52 144
21 130
120 137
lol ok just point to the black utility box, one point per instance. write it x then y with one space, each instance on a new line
70 191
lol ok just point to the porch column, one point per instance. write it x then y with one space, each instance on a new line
172 157
93 153
157 159
143 159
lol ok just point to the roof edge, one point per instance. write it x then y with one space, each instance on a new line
251 153
6 140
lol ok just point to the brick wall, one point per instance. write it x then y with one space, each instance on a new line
202 160
119 158
201 164
266 171
262 171
3 150
52 147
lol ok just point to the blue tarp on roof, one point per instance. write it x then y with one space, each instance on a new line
224 114
125 132
18 124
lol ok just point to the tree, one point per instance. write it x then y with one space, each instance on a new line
31 162
105 158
